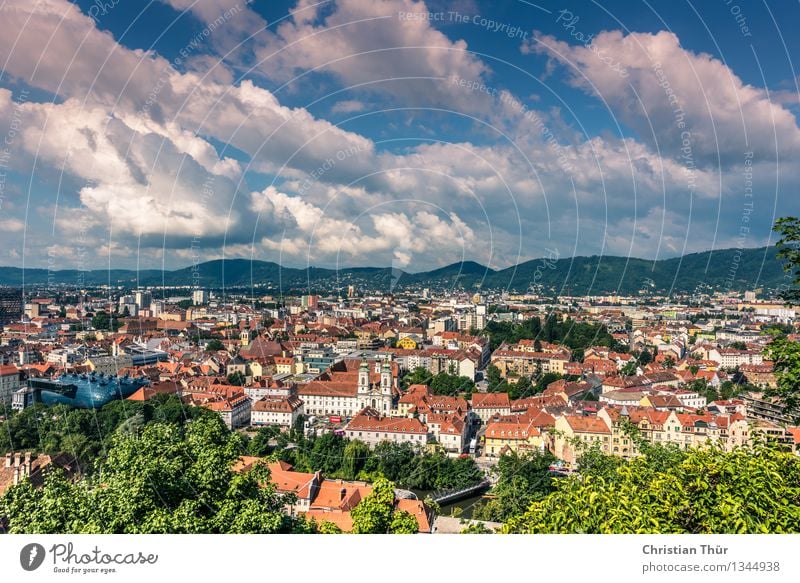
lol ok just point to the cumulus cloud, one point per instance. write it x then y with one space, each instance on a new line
144 137
317 235
680 102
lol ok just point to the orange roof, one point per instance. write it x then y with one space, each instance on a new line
581 424
490 401
416 508
510 430
286 480
340 495
370 420
340 518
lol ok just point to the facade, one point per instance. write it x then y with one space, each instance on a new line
487 405
448 430
109 365
280 411
511 436
519 363
9 382
11 306
586 430
344 397
372 428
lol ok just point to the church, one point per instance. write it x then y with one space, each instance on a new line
350 386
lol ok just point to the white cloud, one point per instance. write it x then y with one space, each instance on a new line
655 85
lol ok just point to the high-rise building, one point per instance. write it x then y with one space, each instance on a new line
142 299
199 297
10 305
309 301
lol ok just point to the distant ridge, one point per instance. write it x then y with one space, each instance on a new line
725 269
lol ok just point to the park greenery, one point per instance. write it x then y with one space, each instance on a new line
403 464
574 335
442 383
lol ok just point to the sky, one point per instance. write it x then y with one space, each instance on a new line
163 133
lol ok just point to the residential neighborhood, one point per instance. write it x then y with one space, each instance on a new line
561 378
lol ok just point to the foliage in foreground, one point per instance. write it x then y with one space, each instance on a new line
522 479
375 514
169 479
702 490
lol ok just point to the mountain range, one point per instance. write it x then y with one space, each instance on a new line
726 269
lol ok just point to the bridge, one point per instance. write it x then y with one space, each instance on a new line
448 496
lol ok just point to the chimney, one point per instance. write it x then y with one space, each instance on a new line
8 460
16 475
17 459
27 463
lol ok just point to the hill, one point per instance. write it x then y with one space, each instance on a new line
726 269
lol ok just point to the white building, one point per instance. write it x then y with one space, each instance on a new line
335 397
9 382
372 428
280 411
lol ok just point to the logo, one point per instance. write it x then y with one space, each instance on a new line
31 556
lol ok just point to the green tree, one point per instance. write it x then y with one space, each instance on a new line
418 376
522 479
785 355
373 515
237 378
259 444
670 491
215 345
354 458
789 250
168 479
452 385
403 523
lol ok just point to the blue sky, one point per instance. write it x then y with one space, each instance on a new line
392 132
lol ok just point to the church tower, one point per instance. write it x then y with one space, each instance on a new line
363 378
386 380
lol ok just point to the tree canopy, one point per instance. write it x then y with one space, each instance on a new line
168 479
669 491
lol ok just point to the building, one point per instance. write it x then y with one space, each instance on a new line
340 392
372 428
109 365
18 467
516 436
142 299
487 405
280 411
448 430
9 382
326 500
731 357
581 429
199 297
519 363
761 375
229 402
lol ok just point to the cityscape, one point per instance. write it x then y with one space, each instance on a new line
399 267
